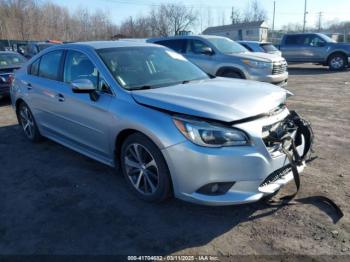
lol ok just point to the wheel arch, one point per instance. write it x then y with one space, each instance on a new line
18 102
337 52
225 69
125 133
122 136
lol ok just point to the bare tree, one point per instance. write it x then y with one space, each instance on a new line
41 20
171 19
254 12
236 16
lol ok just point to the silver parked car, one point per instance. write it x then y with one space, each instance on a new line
256 46
170 127
220 56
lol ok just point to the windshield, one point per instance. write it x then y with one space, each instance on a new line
149 67
327 38
11 59
227 46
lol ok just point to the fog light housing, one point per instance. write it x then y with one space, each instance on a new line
214 189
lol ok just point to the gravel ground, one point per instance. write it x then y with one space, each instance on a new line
56 201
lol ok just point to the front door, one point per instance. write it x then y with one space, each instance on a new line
84 122
194 53
316 48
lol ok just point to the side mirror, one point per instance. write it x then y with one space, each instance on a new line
85 86
207 51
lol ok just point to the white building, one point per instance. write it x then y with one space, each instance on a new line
253 31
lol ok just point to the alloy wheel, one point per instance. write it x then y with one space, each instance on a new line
27 122
141 169
337 62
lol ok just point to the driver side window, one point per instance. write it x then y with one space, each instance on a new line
79 66
196 46
316 41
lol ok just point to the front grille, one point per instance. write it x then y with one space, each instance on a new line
278 174
279 67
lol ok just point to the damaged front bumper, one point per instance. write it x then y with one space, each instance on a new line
250 171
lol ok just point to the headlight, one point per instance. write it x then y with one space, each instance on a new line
257 64
209 135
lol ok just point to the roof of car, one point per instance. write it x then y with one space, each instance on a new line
109 44
253 42
9 52
184 37
306 33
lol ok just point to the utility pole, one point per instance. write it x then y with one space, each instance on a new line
319 21
273 19
232 15
305 13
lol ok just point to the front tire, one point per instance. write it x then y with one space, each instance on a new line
144 168
337 62
27 121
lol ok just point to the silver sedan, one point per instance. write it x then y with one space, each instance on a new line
147 110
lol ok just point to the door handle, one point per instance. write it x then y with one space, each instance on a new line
60 97
29 85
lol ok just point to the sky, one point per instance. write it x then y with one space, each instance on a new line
287 11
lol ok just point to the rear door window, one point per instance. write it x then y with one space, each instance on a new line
296 40
50 65
178 45
268 47
247 46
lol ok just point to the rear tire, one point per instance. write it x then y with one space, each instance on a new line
27 121
337 62
144 168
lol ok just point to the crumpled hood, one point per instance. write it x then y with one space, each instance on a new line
259 56
220 99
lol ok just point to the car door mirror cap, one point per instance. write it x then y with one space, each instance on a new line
83 86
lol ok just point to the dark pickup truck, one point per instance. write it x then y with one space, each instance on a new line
315 48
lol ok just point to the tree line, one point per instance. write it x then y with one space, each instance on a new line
41 20
34 20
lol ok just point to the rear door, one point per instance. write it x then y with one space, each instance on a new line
41 82
295 48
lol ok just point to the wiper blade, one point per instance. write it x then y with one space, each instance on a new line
141 87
